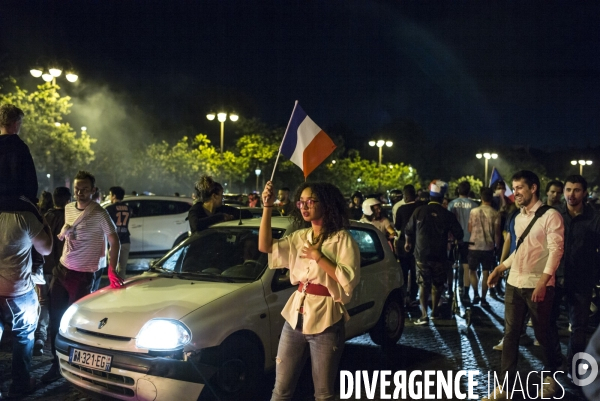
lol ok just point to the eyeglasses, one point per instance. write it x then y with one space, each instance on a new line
310 203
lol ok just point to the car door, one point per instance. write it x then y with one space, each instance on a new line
372 290
136 224
277 292
164 222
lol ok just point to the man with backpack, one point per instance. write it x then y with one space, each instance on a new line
427 230
539 231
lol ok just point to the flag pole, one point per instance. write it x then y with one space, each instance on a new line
283 140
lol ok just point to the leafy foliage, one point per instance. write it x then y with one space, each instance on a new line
476 185
56 149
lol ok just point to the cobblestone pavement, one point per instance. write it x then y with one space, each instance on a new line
443 345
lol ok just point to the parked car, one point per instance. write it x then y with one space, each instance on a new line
210 312
158 224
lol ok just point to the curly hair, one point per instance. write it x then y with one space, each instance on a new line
205 187
332 202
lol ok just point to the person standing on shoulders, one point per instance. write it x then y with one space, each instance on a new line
530 285
324 261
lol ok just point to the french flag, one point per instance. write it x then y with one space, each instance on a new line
497 177
304 143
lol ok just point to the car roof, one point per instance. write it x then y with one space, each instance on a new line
152 197
282 223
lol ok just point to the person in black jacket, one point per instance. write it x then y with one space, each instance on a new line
17 170
208 208
427 231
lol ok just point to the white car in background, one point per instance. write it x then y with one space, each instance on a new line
210 312
158 224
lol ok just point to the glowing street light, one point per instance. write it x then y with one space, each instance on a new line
222 117
52 73
581 164
487 156
379 143
257 172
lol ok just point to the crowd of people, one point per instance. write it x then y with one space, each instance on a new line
540 256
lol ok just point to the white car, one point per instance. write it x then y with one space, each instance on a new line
158 224
209 312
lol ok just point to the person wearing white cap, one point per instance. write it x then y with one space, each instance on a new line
372 214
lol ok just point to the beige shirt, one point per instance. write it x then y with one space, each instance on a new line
319 312
541 250
484 222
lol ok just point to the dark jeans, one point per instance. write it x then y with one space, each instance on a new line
22 313
407 262
517 301
559 295
579 314
67 287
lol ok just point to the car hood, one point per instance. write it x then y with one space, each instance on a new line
127 309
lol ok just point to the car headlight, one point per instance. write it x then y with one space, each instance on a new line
163 335
66 318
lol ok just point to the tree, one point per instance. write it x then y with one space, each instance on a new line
55 146
353 173
476 185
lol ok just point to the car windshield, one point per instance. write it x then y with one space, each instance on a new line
223 253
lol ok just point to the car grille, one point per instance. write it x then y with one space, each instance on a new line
115 384
102 335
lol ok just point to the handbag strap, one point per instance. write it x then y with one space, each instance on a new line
538 213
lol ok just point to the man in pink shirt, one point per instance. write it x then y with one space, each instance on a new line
530 285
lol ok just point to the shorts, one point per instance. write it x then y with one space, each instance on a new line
435 273
486 259
463 250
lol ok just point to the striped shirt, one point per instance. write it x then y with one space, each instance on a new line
86 246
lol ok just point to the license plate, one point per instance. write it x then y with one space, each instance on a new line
90 359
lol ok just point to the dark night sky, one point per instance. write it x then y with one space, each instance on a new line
522 73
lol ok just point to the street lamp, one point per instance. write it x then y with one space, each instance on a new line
379 143
487 156
222 117
581 164
257 172
51 74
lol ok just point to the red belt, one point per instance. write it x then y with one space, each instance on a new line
314 289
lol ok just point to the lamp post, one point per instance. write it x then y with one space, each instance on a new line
487 156
379 143
257 172
581 164
52 73
222 117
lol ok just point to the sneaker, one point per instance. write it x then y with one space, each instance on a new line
498 394
18 393
422 321
476 299
548 388
536 343
484 303
38 348
529 323
52 375
499 346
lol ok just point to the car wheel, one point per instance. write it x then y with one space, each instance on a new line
390 325
240 367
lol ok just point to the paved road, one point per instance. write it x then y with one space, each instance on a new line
445 345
